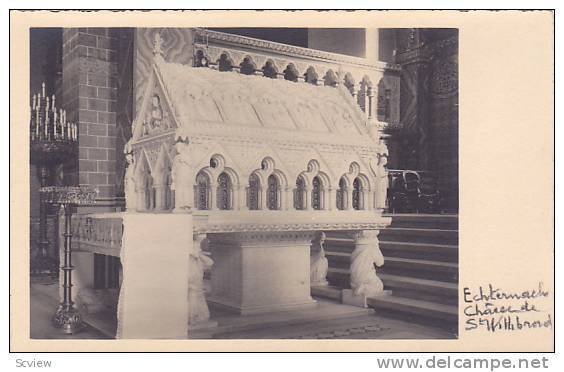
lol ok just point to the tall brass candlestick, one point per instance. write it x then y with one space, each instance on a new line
67 317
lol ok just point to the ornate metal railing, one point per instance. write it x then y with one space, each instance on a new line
413 191
99 233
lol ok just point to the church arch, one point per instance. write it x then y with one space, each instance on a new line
291 73
203 190
248 66
360 192
273 193
269 70
162 181
356 194
330 79
225 63
311 76
224 192
300 193
317 193
253 192
342 194
144 185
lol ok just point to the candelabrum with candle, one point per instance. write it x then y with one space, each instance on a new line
53 142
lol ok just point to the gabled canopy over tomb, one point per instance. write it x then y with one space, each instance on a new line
229 141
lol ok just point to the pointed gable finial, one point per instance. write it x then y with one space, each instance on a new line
158 45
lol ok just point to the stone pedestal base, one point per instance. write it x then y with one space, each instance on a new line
259 272
153 301
349 298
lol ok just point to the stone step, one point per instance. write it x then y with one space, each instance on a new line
417 311
415 235
431 251
411 267
229 322
429 221
327 291
402 286
421 289
340 247
420 268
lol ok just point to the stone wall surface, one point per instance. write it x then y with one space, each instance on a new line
89 95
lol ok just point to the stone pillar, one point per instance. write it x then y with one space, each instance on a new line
369 200
242 198
307 198
263 197
349 198
140 191
89 97
288 199
331 199
354 92
370 108
150 243
213 196
160 195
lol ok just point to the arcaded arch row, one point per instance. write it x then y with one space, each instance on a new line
219 187
316 74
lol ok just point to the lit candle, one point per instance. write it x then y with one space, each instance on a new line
43 89
53 103
37 123
68 130
55 121
33 104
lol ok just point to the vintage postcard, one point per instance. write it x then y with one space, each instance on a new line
282 181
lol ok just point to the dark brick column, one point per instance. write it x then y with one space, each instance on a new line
89 96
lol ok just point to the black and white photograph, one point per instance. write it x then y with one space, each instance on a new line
294 181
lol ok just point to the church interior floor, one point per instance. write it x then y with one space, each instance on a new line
330 320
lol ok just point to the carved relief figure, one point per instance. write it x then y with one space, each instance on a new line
182 180
129 183
198 263
364 281
318 262
382 181
156 112
155 119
